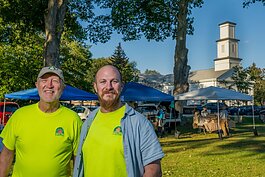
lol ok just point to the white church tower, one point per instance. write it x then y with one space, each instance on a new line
227 48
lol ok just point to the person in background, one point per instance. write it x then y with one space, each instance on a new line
200 121
223 115
204 112
44 136
116 140
204 119
196 118
160 117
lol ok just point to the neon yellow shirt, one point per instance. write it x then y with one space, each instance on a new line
103 148
44 142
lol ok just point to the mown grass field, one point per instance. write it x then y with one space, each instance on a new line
197 154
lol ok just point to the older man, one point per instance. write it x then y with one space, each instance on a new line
44 136
116 141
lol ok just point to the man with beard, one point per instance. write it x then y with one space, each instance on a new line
115 140
43 136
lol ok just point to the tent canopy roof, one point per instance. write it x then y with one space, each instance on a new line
133 91
213 93
69 93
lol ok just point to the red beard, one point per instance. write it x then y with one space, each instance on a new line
110 104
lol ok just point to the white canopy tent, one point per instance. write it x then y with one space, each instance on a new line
213 93
216 93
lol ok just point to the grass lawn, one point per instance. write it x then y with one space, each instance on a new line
196 154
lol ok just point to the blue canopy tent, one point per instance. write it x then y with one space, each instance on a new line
69 93
133 91
137 92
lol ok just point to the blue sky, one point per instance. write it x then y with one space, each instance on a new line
250 30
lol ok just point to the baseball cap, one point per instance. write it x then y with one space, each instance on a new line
51 69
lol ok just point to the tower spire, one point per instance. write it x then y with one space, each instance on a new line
227 48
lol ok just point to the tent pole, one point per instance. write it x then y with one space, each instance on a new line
218 120
4 111
255 132
170 117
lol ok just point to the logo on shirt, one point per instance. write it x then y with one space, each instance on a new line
117 131
59 131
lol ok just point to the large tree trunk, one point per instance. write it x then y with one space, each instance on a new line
181 69
54 21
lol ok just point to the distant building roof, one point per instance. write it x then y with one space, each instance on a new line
227 22
207 74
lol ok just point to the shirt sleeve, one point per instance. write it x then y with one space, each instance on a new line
150 145
9 133
77 130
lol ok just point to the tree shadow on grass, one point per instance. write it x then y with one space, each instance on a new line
177 146
242 139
